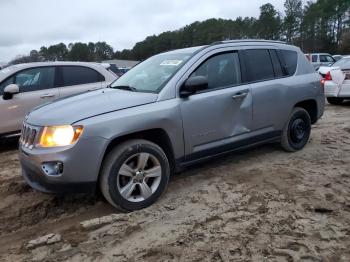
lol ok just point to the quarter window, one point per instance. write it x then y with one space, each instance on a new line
259 64
78 75
221 70
290 59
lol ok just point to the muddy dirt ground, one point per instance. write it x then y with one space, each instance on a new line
260 205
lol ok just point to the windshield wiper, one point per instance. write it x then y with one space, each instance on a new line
129 88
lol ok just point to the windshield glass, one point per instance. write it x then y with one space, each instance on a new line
152 74
343 63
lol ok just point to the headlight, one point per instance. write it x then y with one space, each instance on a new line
53 136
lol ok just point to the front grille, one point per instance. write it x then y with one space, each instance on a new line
29 135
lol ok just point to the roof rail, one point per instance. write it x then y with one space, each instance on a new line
248 40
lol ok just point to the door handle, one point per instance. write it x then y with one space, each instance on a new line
47 95
240 95
93 89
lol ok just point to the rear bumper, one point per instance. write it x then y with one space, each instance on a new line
331 89
81 164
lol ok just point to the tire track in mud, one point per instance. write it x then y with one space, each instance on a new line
261 205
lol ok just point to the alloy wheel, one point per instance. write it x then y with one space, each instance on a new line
139 177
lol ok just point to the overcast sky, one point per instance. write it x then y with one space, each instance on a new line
30 24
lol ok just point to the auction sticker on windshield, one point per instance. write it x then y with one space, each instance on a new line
171 62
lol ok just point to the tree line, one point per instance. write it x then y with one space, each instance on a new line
318 26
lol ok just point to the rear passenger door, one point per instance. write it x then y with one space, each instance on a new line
269 90
78 79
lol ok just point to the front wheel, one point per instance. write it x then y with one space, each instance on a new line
335 100
134 175
297 131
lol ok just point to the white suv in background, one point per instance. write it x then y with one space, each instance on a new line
25 86
320 59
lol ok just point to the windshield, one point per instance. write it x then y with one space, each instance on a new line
152 74
343 63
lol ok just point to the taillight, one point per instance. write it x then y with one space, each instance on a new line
328 76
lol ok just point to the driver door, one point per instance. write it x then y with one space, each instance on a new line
36 87
212 118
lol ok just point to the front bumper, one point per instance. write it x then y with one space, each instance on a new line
81 165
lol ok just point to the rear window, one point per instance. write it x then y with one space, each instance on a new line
290 60
343 63
79 75
259 64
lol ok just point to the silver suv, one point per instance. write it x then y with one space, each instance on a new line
170 111
25 86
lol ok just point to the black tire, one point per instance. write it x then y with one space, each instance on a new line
109 174
335 100
297 131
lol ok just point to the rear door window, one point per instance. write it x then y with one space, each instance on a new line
222 70
290 59
259 65
79 75
314 58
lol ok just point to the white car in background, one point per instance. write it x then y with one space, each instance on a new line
25 86
336 81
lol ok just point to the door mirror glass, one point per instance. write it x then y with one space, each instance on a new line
193 85
10 90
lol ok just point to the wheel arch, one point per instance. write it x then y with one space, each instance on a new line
310 105
156 135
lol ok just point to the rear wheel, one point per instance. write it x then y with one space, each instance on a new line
335 100
134 175
296 133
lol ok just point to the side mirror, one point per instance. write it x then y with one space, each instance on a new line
193 85
9 91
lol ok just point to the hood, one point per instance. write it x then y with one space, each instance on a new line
75 108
